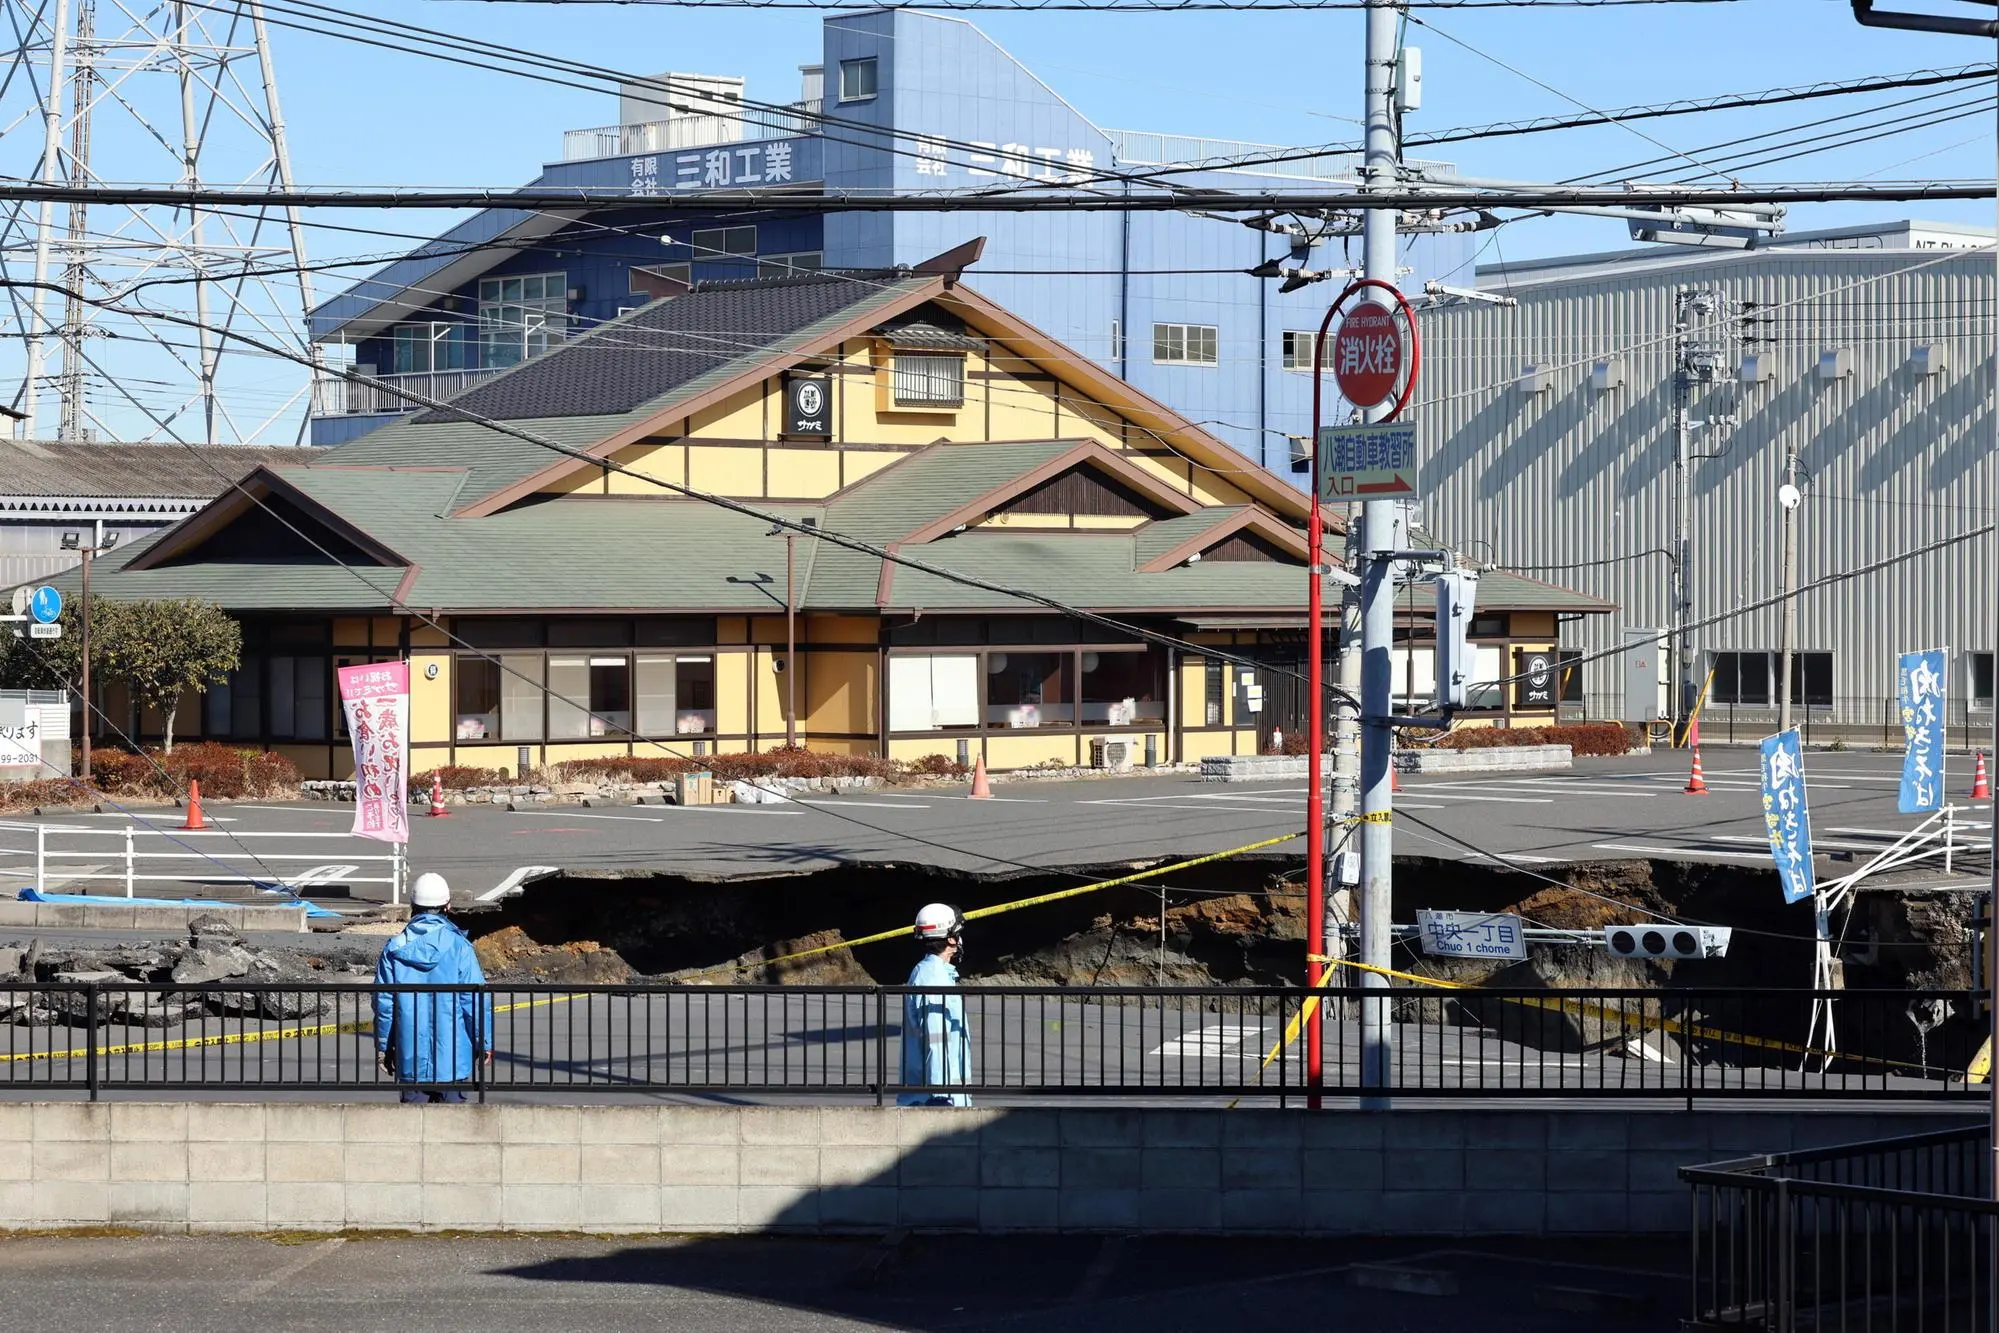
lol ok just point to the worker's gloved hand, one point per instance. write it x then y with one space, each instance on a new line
388 1067
487 1056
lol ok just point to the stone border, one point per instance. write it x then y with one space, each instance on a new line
1487 759
111 914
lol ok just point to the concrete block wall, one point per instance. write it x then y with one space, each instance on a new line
114 914
1495 759
1423 1171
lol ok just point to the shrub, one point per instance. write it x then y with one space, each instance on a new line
44 792
224 772
1584 738
458 777
936 766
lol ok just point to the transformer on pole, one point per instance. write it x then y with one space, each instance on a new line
101 92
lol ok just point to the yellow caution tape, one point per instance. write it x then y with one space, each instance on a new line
980 913
1371 817
251 1038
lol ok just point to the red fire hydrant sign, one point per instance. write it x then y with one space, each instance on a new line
1367 355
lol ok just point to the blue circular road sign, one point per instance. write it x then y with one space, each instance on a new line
45 605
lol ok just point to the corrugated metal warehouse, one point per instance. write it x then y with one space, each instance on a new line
1550 443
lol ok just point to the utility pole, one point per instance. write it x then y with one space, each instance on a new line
1682 608
1787 635
1378 173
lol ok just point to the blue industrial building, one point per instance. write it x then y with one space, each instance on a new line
923 102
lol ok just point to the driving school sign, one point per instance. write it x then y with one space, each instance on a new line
1376 461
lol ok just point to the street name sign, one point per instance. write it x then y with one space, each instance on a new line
1471 935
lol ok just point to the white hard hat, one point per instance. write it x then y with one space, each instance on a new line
939 921
430 890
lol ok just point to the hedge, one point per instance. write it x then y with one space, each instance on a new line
1583 738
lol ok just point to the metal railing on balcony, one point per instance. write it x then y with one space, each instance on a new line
336 397
1032 1042
1883 1236
666 136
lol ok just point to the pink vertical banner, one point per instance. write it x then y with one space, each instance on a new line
377 701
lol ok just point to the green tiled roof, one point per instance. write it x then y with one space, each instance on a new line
591 553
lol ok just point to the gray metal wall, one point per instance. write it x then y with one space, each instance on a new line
1573 475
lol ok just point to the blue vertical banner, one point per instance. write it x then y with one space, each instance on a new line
1920 687
1785 814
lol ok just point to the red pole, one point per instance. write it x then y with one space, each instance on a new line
1315 743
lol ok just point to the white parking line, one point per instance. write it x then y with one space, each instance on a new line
865 805
1692 852
1818 844
512 883
1448 794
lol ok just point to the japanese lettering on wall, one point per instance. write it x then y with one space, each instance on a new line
21 746
1534 680
1920 685
1471 935
712 168
377 702
1785 814
982 160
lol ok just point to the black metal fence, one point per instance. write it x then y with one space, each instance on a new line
1883 1236
1026 1042
1861 721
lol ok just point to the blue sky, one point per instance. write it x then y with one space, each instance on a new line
360 115
365 116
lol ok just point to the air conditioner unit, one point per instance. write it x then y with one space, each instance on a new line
1112 756
1664 940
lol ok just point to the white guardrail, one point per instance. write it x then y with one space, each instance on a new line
132 861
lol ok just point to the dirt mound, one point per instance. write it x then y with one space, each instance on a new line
835 967
511 954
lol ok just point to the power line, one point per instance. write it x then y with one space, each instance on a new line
1122 6
542 197
1618 116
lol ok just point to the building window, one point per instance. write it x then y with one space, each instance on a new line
857 79
1214 674
1571 660
1183 344
1298 347
929 381
1979 667
681 273
1030 689
933 693
783 266
1749 679
419 348
298 698
724 242
1123 689
589 697
676 695
520 317
498 698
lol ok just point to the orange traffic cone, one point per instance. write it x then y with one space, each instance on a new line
1394 782
1981 786
982 790
1696 785
437 810
193 823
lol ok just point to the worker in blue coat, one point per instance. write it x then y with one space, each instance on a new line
936 1042
426 1038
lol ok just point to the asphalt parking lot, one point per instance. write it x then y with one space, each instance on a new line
1066 1284
1604 809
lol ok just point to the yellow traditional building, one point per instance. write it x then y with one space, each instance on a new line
578 556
